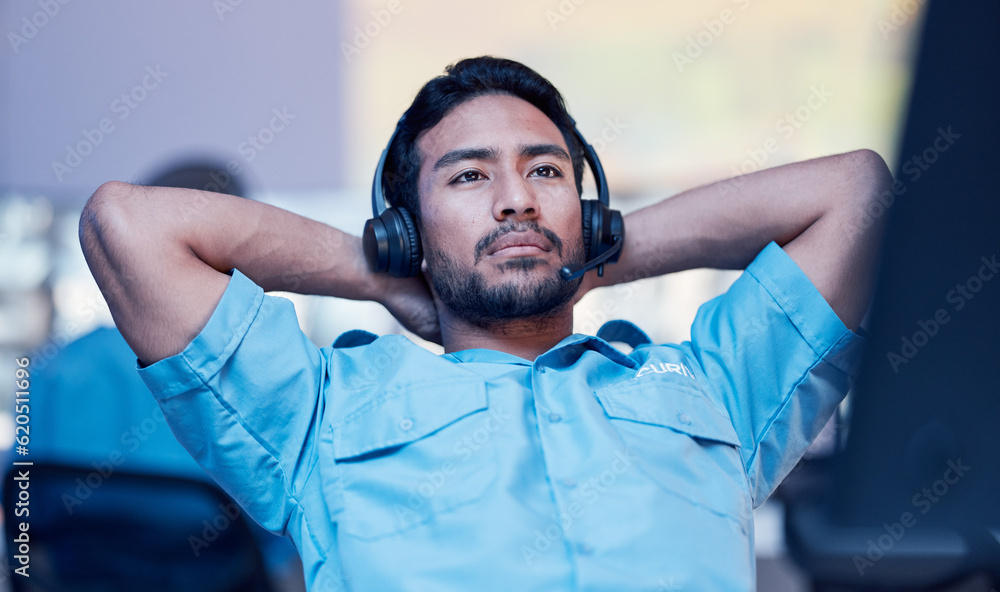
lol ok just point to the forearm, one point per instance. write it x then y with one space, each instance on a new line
160 256
815 209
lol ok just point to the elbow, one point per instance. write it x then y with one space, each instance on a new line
870 173
103 215
871 161
107 195
869 186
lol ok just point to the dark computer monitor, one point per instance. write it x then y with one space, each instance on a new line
916 490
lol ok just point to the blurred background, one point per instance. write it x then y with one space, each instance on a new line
297 99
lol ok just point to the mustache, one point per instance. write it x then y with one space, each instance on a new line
508 227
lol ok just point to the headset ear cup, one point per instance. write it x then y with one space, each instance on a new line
374 243
616 227
391 243
411 252
587 211
600 226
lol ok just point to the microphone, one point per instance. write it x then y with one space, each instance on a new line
571 272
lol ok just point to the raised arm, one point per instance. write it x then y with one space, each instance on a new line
817 210
161 256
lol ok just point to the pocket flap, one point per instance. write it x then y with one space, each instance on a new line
404 413
679 410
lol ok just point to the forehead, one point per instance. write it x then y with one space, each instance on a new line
499 121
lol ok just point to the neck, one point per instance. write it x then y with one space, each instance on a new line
525 338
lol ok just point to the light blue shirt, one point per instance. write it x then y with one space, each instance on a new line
392 468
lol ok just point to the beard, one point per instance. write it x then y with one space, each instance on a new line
466 293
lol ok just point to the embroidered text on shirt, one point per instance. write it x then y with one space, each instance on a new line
664 367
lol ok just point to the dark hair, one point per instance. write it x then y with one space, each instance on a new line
465 80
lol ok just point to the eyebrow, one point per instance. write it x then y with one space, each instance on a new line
529 151
454 156
555 150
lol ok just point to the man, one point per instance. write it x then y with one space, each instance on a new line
524 458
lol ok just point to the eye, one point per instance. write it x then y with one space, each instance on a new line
547 171
469 176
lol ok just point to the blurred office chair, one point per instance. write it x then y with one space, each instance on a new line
911 502
87 534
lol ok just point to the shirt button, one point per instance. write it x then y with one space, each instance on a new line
555 417
568 482
406 424
684 418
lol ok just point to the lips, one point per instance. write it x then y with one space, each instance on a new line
517 244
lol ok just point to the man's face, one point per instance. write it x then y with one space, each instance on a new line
500 211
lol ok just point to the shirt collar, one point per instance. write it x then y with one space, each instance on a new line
579 341
576 341
485 356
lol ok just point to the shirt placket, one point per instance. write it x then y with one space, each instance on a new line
582 462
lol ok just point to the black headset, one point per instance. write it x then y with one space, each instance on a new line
391 240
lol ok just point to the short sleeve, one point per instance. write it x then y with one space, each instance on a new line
244 398
778 359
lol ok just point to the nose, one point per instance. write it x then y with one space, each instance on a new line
515 199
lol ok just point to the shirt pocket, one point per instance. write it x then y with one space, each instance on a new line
403 459
684 443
